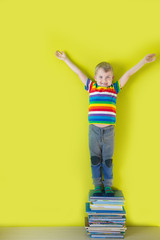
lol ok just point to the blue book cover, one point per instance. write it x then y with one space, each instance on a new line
100 217
115 202
105 236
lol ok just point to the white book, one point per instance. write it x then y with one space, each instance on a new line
107 207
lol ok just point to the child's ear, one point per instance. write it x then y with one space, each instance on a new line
113 77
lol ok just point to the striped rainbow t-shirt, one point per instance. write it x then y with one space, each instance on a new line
102 102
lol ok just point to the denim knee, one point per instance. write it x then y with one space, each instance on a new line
108 162
95 160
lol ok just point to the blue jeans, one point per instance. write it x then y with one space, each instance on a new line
101 146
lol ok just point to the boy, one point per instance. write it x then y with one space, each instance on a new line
102 117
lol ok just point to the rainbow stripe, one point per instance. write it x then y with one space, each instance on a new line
102 102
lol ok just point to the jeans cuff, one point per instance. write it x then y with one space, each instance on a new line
108 182
97 182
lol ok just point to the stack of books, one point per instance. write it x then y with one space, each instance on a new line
106 216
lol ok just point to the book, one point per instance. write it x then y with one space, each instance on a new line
106 207
118 195
105 236
89 211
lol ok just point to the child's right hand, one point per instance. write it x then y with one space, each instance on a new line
61 55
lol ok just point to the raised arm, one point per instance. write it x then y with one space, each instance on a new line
147 59
73 67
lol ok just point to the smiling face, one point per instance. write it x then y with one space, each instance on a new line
104 79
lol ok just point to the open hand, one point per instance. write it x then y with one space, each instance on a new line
61 55
149 58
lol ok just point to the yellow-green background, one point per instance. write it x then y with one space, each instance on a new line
45 173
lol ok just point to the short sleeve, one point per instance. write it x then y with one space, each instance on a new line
88 84
117 86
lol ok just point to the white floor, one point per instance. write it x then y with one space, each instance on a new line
71 233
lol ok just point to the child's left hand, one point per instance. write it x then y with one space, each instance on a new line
149 57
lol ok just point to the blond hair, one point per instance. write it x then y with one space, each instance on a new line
105 66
